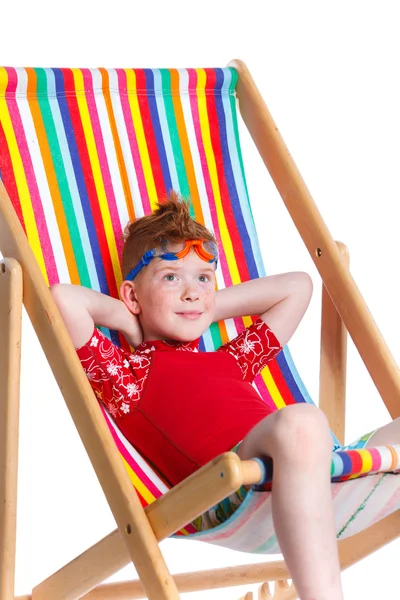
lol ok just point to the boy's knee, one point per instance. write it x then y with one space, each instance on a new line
301 429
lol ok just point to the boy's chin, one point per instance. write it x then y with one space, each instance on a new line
187 337
188 334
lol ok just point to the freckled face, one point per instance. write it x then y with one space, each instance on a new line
176 298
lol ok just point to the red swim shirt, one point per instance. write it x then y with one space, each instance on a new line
177 406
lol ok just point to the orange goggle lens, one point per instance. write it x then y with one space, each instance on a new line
202 248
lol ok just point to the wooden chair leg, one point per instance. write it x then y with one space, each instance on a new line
10 355
332 388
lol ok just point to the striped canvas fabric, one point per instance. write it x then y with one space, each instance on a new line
83 151
357 504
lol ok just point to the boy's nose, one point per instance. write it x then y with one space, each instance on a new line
190 294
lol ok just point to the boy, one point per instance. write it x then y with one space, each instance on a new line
179 407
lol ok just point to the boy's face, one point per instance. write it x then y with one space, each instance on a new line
175 300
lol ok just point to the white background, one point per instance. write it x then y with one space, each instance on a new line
329 72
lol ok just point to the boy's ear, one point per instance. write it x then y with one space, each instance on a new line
128 295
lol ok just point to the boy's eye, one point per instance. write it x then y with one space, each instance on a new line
204 278
170 277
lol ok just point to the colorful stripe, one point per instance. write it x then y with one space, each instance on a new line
110 143
83 151
357 506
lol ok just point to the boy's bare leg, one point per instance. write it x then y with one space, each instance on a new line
299 442
388 434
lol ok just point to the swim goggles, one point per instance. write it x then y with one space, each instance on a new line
205 249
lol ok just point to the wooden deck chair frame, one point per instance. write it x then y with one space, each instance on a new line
139 531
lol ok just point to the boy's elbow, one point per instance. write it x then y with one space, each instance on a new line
306 284
71 304
302 288
55 287
57 290
63 297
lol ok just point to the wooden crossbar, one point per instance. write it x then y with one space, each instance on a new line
179 506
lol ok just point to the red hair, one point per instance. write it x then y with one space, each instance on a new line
170 221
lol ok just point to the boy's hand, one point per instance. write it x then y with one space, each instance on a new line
280 301
133 331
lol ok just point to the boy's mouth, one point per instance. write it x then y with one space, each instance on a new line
192 315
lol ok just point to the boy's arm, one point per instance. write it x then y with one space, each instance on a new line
82 308
279 300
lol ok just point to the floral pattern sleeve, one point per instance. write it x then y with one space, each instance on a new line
117 377
253 349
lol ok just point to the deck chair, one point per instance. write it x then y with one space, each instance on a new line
82 151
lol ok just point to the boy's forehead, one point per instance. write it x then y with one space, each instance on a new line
173 246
